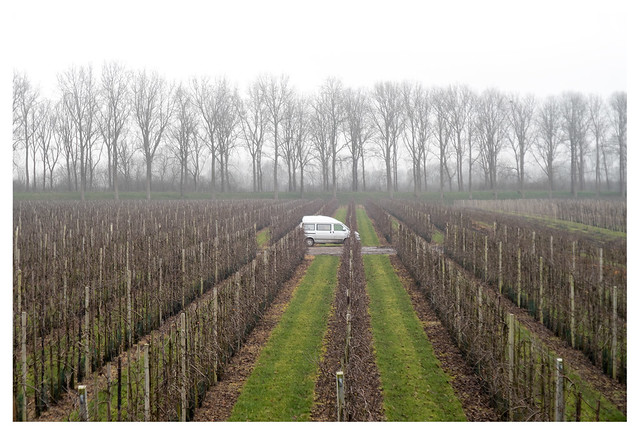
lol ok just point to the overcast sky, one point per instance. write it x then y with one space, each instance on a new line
543 47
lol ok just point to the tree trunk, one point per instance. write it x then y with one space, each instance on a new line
116 192
275 163
148 178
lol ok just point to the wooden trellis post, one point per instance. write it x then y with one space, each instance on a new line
510 351
559 399
87 358
572 302
486 257
24 366
108 373
541 295
146 383
500 267
83 411
340 395
519 284
614 332
183 352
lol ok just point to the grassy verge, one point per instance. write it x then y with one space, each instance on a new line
281 386
368 236
414 386
574 227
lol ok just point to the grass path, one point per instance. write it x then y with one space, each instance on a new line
414 386
281 386
368 236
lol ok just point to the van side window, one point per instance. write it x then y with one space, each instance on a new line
324 227
338 227
309 227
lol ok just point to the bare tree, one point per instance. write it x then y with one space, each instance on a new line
387 118
227 120
126 157
521 119
491 130
69 149
25 98
574 110
458 100
546 146
357 129
152 108
276 92
471 130
56 148
320 131
288 146
114 112
197 152
302 145
254 117
417 129
183 130
207 106
79 98
442 131
618 103
331 102
44 138
598 125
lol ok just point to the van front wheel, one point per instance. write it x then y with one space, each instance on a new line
309 241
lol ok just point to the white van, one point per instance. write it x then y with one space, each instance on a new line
325 229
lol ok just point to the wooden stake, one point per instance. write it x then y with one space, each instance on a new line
129 318
510 350
87 358
24 367
108 391
183 351
500 267
83 412
614 332
146 383
486 258
340 395
519 285
540 295
559 402
573 310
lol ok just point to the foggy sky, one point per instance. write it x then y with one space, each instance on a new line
543 47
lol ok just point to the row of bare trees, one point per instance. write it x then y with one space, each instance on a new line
138 122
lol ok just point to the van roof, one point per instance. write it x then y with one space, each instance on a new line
320 220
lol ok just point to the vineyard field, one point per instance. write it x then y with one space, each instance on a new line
136 311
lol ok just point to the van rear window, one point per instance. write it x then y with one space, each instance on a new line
324 227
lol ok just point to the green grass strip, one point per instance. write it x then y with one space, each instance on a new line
263 237
281 385
368 236
341 214
414 387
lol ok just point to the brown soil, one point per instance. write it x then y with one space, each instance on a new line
221 398
466 384
363 392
